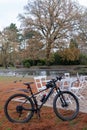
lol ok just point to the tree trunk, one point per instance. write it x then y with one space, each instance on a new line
48 51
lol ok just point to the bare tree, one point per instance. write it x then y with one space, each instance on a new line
53 19
5 46
82 36
8 44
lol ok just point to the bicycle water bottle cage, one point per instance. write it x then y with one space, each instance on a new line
43 97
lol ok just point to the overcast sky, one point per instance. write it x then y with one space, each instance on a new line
9 10
83 2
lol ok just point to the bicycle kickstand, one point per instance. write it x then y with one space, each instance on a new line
38 114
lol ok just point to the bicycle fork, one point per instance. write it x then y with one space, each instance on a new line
62 99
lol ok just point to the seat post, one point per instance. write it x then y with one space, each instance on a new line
29 88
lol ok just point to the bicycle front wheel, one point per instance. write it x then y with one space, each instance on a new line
66 106
19 108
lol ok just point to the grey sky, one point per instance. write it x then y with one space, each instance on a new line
9 10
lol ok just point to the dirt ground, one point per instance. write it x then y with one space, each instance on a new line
48 120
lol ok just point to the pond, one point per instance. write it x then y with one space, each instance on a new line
32 72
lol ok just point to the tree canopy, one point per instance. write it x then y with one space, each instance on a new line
55 20
47 26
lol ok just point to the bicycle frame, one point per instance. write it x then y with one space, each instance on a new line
33 96
29 102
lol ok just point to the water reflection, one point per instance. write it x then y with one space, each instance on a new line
45 72
30 72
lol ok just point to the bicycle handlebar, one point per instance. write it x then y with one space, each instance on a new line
57 78
52 82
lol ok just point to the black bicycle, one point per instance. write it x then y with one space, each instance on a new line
20 108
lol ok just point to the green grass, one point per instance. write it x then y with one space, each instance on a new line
12 78
8 129
84 128
57 120
74 122
1 123
5 78
1 107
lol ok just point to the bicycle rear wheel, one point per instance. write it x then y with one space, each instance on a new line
19 108
66 106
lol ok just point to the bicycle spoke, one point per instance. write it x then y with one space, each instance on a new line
18 108
66 106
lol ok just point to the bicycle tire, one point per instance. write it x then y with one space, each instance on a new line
17 108
66 112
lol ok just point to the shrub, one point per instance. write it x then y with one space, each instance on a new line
41 62
26 63
57 59
83 59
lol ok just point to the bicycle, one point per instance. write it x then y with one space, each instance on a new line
20 108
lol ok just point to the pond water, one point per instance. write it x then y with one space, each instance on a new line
29 72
